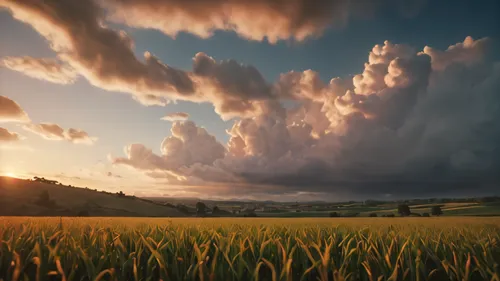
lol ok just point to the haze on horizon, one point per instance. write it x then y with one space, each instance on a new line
255 99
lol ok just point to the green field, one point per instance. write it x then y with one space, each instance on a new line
449 209
460 248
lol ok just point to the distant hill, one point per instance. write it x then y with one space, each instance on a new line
20 197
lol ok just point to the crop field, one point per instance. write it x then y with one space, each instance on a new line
371 249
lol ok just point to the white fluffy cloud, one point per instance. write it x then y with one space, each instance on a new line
468 52
188 145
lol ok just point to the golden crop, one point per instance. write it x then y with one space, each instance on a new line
250 249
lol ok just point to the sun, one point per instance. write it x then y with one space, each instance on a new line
10 174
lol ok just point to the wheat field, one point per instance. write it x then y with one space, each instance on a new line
372 249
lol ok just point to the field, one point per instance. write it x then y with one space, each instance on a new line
460 248
18 198
449 209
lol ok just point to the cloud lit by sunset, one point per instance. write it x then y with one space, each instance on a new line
329 99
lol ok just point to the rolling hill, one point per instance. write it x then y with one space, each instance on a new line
20 197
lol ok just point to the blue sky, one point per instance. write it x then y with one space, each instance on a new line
117 120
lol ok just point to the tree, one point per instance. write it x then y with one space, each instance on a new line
436 211
120 194
215 210
425 215
404 210
250 214
182 208
201 208
373 215
334 215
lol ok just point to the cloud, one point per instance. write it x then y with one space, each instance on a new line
468 52
110 174
176 116
50 131
235 89
277 20
401 127
41 68
46 130
79 136
76 31
6 136
188 145
11 111
300 85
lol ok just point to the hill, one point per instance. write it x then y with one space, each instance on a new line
20 197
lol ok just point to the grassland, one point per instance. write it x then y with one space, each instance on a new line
460 248
449 209
18 198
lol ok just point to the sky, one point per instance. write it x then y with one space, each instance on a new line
261 99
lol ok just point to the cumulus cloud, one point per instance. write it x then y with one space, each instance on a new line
277 20
402 127
232 87
300 85
468 52
41 68
51 131
11 111
409 121
176 116
188 145
7 136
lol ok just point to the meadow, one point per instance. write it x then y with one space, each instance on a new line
371 249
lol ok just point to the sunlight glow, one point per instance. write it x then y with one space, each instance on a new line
10 174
